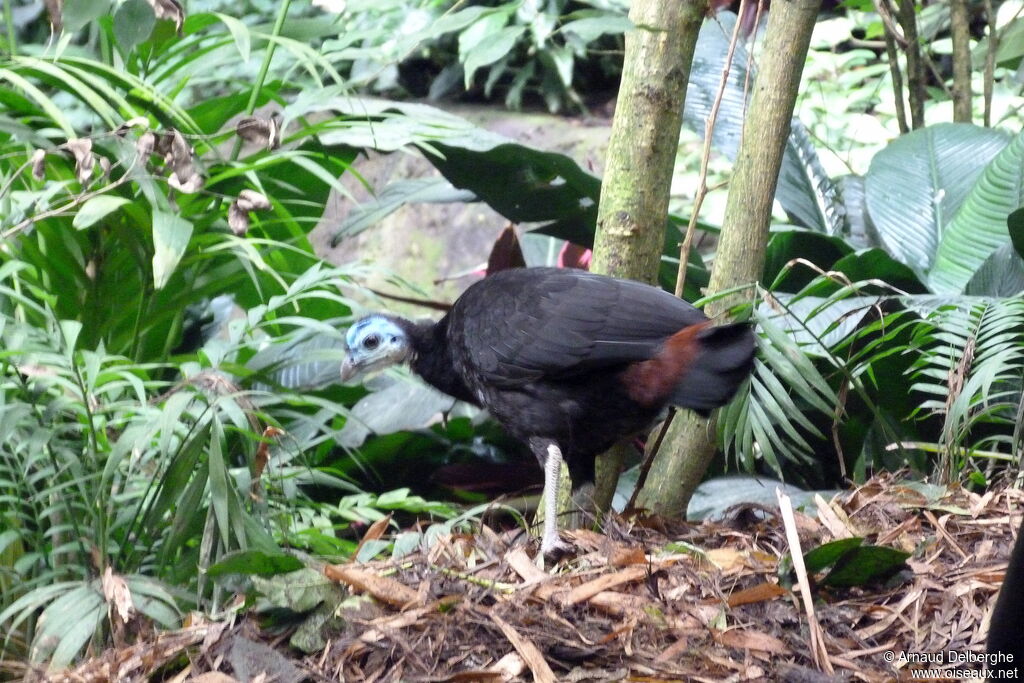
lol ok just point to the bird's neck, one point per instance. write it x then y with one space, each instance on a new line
432 359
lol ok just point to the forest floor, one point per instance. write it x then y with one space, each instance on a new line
638 602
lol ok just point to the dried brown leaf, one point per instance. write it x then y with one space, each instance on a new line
169 9
39 164
263 132
749 639
115 592
146 143
542 673
135 122
375 532
762 592
214 677
602 583
238 212
624 556
178 155
238 220
81 148
381 587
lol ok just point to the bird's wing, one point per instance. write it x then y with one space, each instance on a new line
520 325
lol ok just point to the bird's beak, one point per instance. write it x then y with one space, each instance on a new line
349 369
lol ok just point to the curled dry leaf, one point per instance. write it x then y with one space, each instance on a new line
38 164
238 212
178 156
259 131
169 9
146 143
116 592
136 122
81 148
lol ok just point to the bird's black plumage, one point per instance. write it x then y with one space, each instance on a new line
1005 639
576 360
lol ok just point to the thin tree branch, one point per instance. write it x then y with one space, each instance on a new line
709 129
892 55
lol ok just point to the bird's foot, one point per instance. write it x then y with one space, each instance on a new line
554 548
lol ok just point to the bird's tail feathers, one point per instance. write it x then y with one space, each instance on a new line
725 356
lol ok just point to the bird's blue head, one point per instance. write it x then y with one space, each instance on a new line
375 342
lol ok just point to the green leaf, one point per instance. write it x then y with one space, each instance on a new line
590 29
980 226
482 28
76 14
299 591
393 197
255 562
96 208
240 32
804 189
865 565
1002 274
1015 224
489 51
827 555
133 22
917 183
877 264
171 234
786 245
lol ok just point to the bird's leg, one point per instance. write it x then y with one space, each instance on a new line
550 544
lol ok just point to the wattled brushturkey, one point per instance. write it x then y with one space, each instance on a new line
567 361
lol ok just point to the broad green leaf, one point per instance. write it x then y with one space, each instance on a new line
483 29
489 51
76 14
133 22
826 555
590 29
60 638
240 32
1015 224
805 191
171 234
1002 274
393 197
255 562
864 565
877 264
980 226
786 245
299 591
96 209
917 183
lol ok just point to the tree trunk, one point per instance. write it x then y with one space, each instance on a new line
689 445
960 23
916 94
633 209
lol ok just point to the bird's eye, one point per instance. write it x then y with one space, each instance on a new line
371 342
